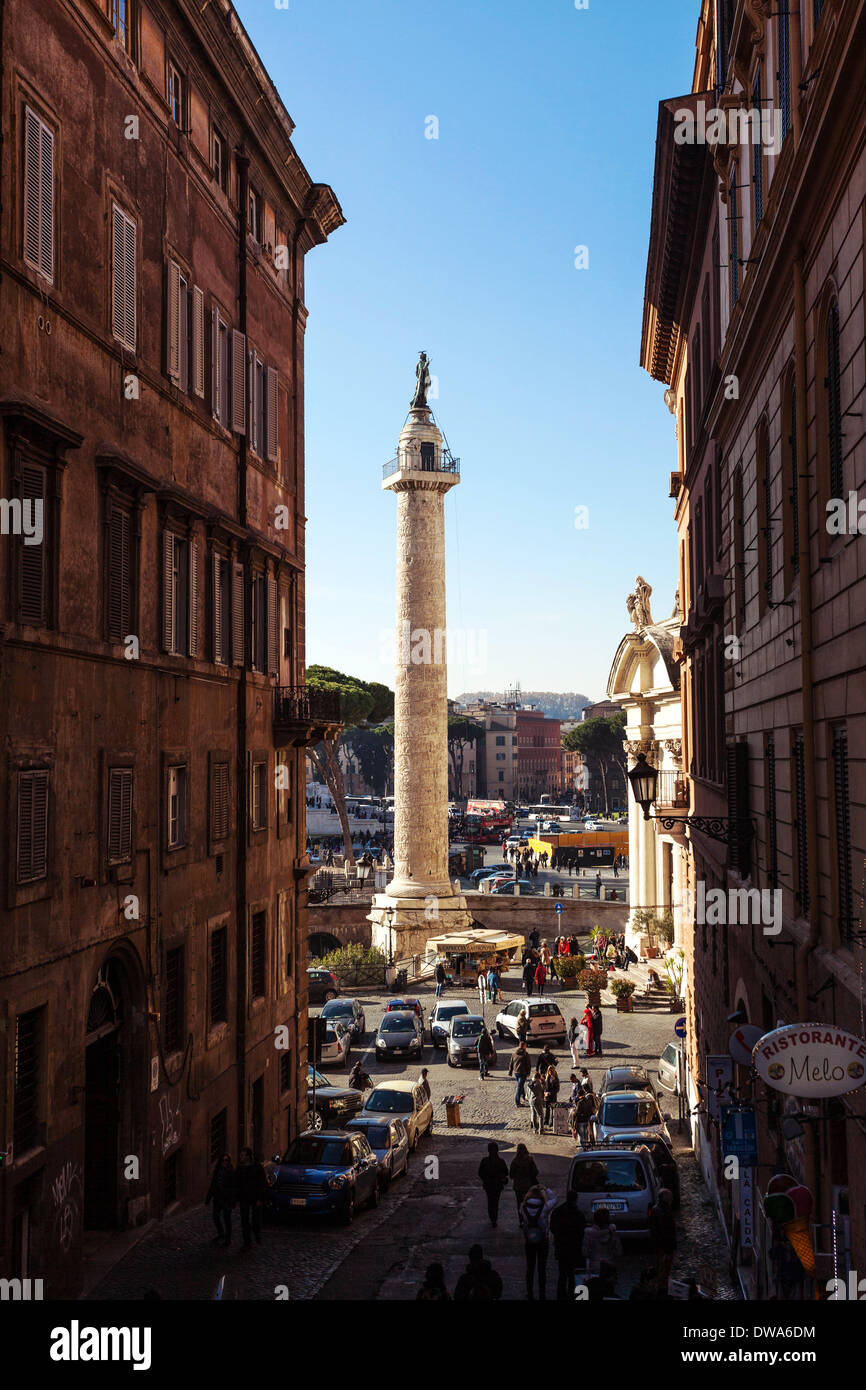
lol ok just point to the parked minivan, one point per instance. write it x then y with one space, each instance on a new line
669 1067
405 1098
622 1179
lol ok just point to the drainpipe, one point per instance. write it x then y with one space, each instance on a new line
243 165
805 583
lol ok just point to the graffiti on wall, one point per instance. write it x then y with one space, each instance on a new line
66 1197
169 1117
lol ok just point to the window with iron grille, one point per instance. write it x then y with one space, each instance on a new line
174 1000
758 148
218 973
258 948
783 76
171 1177
833 385
734 237
32 840
801 891
842 809
770 813
259 796
26 1129
285 1071
219 1135
219 801
120 787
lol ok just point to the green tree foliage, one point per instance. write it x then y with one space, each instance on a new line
602 740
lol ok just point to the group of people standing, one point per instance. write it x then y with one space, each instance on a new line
584 1035
244 1186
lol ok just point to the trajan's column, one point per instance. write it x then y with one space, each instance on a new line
420 900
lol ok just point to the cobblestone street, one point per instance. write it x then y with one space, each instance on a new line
439 1210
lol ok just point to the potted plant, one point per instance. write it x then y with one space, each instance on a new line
622 991
593 981
567 967
675 963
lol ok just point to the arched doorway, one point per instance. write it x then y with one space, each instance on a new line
112 1084
321 943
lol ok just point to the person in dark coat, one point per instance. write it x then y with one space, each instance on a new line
523 1173
433 1289
597 1026
534 938
479 1280
440 978
223 1193
567 1225
493 1172
663 1229
521 1067
252 1188
528 977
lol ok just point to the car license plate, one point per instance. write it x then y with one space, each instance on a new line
548 1025
610 1206
298 1201
397 1051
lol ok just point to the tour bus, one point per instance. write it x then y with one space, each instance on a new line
487 822
544 811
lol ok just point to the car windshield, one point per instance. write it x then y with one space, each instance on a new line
544 1011
451 1011
608 1175
633 1113
395 1024
390 1102
627 1083
320 1079
470 1029
379 1136
337 1008
314 1152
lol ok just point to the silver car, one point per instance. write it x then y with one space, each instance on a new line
628 1110
388 1137
440 1019
623 1180
463 1034
669 1067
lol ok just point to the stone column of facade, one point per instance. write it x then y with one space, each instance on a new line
420 901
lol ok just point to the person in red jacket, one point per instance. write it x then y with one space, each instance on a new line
540 976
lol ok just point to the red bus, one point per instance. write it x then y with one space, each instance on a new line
487 822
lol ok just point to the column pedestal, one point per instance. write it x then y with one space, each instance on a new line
401 927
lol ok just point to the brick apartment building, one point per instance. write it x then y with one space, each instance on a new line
754 318
539 754
155 220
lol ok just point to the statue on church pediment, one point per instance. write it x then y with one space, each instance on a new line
638 604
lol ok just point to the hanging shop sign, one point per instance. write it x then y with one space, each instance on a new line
811 1059
742 1043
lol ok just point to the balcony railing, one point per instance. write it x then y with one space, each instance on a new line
672 789
305 714
444 464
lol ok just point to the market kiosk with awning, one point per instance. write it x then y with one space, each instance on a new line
465 953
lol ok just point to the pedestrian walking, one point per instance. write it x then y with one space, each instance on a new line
540 977
598 884
522 1172
615 869
486 1050
551 1092
545 955
252 1188
597 1027
601 1244
586 1107
567 1226
663 1229
492 985
223 1193
424 1081
520 1067
535 1212
440 978
433 1289
545 1059
586 1081
493 1172
479 1280
522 1026
528 976
536 1102
574 1040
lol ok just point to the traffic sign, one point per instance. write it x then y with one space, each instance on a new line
740 1136
557 907
680 1027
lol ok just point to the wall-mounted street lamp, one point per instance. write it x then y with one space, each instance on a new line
644 781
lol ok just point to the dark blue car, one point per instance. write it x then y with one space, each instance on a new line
329 1171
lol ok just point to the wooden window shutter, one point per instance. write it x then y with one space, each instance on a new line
833 385
38 194
197 341
739 844
129 278
193 598
32 850
842 825
33 572
173 322
123 277
220 801
168 590
218 653
251 401
119 815
273 616
215 363
271 427
239 356
117 272
119 574
237 614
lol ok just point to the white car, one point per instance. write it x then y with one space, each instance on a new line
440 1019
336 1043
545 1020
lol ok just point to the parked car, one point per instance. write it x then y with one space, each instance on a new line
545 1020
486 871
623 1180
591 825
405 1098
669 1068
336 1043
625 1110
443 1012
406 1004
400 1034
389 1140
527 889
463 1032
322 985
334 1105
661 1153
330 1172
551 827
626 1079
350 1013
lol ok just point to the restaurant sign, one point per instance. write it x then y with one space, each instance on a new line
811 1059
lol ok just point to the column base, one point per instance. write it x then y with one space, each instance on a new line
401 927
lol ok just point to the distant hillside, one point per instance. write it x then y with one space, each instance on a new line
558 705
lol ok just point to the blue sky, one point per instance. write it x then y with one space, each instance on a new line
465 246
